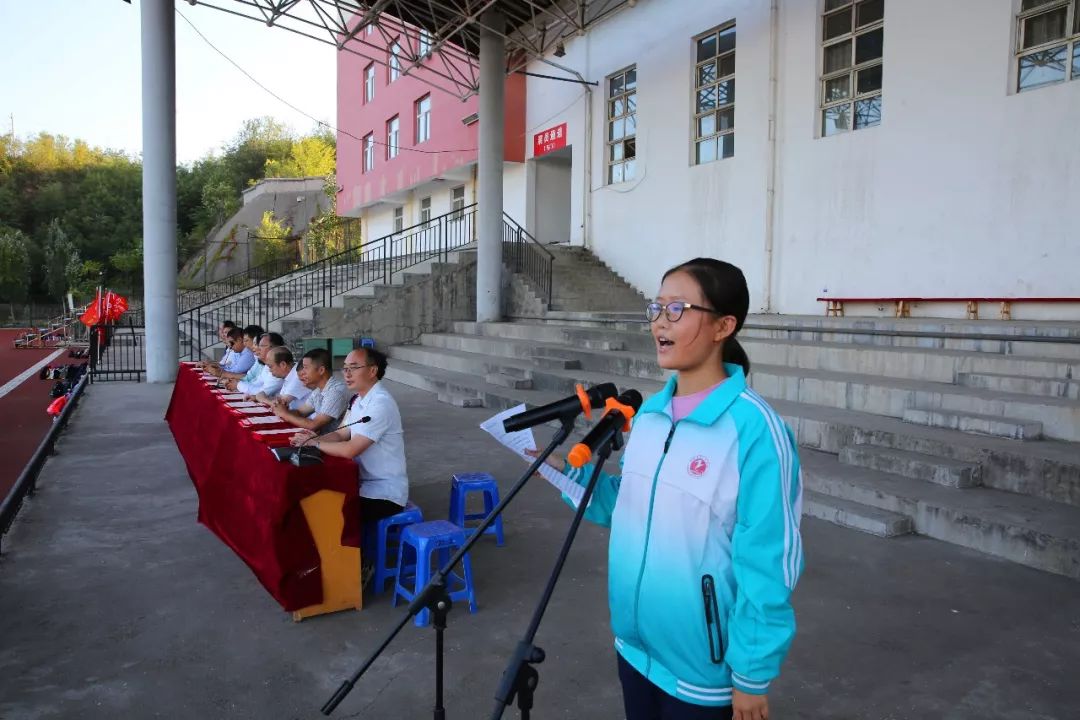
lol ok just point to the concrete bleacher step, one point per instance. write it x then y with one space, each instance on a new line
509 381
451 384
1031 531
1049 387
995 426
856 516
918 466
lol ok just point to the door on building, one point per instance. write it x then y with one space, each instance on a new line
549 219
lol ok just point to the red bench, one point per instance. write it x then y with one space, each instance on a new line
834 306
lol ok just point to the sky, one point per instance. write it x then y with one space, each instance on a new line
72 67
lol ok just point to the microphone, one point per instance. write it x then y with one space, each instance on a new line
296 454
617 418
583 401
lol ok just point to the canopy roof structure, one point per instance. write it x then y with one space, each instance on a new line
447 56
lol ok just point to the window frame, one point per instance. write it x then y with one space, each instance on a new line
425 209
368 148
852 70
369 82
393 137
457 210
399 218
424 41
695 88
393 64
610 98
423 119
1070 42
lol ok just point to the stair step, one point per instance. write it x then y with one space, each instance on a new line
509 381
943 471
1048 387
856 516
1030 531
993 425
556 363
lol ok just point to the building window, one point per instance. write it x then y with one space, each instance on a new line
852 42
395 61
393 127
714 95
622 125
369 83
423 119
369 152
370 28
1047 43
399 219
425 209
424 45
457 202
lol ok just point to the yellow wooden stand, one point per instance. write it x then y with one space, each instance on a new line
340 564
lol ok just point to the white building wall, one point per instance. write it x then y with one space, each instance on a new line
965 188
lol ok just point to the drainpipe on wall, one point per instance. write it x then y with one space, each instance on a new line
770 188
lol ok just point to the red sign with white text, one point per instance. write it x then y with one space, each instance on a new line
549 140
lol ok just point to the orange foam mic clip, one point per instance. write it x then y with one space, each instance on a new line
586 404
581 453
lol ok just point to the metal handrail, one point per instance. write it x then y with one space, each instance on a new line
317 283
27 480
524 254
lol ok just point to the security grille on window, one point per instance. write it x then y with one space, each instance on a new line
423 119
399 219
622 126
369 152
714 95
1047 43
392 131
425 209
395 61
853 37
457 202
424 45
369 83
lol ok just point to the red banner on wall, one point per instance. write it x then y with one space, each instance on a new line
549 140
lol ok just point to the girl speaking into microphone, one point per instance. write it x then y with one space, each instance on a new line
705 548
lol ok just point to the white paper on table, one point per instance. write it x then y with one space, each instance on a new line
278 431
523 440
262 419
256 410
226 395
245 404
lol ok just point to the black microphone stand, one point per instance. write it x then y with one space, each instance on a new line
521 677
434 596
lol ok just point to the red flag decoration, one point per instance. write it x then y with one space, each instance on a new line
92 316
114 305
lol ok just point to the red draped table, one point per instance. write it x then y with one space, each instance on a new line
297 528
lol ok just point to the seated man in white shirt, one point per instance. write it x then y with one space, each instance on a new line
376 446
243 357
328 399
292 392
260 376
223 335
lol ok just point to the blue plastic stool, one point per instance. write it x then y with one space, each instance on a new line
464 483
387 538
418 542
366 342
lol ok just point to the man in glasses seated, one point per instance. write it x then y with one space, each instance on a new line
377 446
328 399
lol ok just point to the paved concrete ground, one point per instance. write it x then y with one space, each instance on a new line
115 603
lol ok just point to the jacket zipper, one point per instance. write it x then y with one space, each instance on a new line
648 534
712 619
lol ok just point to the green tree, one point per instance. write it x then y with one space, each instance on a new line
58 254
273 240
310 157
129 262
14 268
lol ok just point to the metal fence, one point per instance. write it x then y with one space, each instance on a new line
27 481
117 352
375 262
523 254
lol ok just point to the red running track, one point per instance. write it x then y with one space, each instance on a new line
23 420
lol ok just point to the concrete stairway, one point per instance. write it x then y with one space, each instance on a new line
965 432
581 282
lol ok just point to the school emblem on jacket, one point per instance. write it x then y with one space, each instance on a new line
698 466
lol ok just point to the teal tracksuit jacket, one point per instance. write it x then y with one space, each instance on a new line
705 547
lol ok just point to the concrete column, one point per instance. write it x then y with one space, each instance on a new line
490 172
159 188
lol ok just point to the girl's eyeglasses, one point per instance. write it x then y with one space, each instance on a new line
673 310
